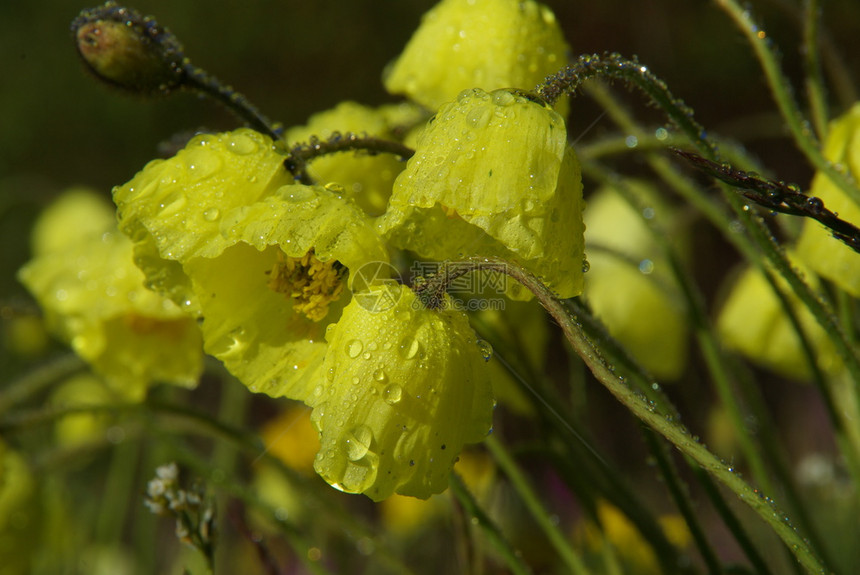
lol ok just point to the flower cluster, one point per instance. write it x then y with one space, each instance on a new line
286 275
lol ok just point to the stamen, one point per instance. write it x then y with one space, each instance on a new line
312 284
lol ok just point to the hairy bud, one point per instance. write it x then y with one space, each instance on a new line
129 51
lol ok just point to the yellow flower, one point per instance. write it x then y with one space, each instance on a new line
364 178
403 390
82 390
20 512
493 175
753 322
629 286
816 247
488 44
93 297
292 438
618 530
264 264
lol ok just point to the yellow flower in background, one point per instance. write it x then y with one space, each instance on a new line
93 297
364 178
81 391
753 322
614 527
493 175
20 513
292 438
488 44
263 263
404 389
404 517
629 285
816 247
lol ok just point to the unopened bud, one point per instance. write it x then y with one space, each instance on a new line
129 51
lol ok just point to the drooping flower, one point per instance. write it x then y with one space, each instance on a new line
93 297
488 44
493 175
752 321
264 264
404 389
816 246
629 285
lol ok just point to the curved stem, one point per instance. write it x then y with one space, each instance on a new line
302 153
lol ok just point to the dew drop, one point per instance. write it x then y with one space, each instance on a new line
356 443
485 348
242 145
503 98
409 348
392 394
353 348
379 375
478 117
212 214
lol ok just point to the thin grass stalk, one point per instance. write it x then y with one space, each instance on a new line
510 556
527 494
681 497
816 93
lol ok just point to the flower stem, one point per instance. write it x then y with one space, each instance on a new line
509 554
301 154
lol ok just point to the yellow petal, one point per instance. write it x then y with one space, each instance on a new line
77 213
488 44
753 322
179 202
629 286
404 389
94 298
817 247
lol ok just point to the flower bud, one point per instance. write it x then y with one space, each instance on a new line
128 51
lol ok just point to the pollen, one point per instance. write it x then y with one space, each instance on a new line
311 284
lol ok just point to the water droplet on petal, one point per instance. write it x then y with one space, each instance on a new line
356 443
485 348
353 348
392 394
409 348
212 214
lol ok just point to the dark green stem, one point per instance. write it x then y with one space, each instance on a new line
509 555
303 153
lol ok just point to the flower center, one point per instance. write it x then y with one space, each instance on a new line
309 282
